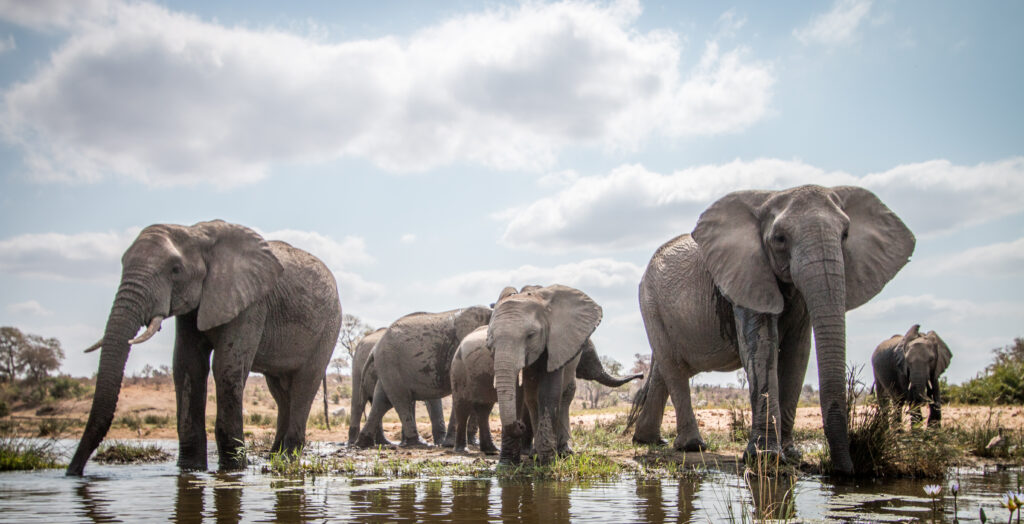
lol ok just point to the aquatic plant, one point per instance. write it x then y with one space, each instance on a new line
118 452
26 454
954 488
932 490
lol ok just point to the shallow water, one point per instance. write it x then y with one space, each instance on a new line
158 492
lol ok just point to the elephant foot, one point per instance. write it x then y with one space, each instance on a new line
511 443
366 441
545 458
565 451
489 450
459 449
413 443
764 458
448 442
792 454
473 441
654 441
693 444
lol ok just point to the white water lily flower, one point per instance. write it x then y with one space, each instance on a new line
1008 501
932 489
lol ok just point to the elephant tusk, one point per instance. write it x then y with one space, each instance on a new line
94 347
154 326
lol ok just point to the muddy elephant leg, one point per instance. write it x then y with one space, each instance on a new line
758 342
277 390
436 413
482 414
563 433
229 377
795 350
460 414
652 409
545 428
191 368
677 380
303 391
374 421
401 399
472 427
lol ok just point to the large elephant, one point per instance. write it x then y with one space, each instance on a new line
473 385
413 359
907 369
540 332
256 305
745 289
364 382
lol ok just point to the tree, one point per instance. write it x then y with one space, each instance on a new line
353 329
641 364
41 356
12 342
594 392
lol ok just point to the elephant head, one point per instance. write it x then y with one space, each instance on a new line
837 246
549 324
920 359
214 269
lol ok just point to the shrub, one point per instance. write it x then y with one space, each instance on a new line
157 420
4 409
23 454
1002 382
126 453
66 387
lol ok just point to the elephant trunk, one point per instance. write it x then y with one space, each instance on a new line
821 279
506 371
919 387
126 316
590 368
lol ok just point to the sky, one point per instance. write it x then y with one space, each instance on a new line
431 153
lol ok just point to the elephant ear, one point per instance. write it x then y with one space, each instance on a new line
467 320
729 236
942 353
572 318
505 293
240 269
878 245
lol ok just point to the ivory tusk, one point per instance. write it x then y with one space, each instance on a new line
154 326
94 347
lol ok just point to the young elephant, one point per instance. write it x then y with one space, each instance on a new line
907 370
364 381
473 390
412 361
540 332
253 305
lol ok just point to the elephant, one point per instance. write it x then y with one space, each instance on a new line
759 271
473 385
364 381
413 359
253 304
907 369
540 332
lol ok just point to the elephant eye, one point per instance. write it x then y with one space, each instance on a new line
779 239
177 269
846 234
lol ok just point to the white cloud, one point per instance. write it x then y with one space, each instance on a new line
7 44
82 256
838 26
586 275
165 98
408 238
49 15
632 207
30 307
936 308
337 255
994 260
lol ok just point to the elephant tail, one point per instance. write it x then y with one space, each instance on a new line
327 416
638 401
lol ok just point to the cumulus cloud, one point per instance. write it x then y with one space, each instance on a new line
29 307
339 256
7 44
82 256
1003 259
836 27
408 238
633 207
166 98
50 15
587 275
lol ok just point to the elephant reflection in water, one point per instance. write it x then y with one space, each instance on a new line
94 508
772 496
652 506
470 500
190 504
530 502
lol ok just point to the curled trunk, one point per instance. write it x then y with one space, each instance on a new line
124 321
590 368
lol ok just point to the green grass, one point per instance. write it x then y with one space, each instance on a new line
18 454
118 452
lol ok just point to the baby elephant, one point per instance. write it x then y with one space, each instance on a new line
907 370
473 392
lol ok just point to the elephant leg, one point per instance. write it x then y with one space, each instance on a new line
677 379
652 399
482 414
758 342
530 411
563 433
355 417
229 376
374 421
277 390
436 412
524 409
795 351
549 396
191 368
472 427
935 408
303 391
460 415
404 404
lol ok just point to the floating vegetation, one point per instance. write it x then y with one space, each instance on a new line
118 452
25 454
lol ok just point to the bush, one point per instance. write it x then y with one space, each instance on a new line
23 454
4 409
1002 382
125 453
157 420
66 387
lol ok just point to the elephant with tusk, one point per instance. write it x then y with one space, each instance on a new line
241 304
907 369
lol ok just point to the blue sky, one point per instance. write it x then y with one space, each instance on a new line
433 152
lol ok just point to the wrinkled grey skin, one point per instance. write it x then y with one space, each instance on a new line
907 370
251 304
540 332
745 289
413 361
473 385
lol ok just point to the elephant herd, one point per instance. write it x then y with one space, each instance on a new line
761 272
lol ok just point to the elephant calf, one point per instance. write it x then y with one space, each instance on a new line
473 390
907 370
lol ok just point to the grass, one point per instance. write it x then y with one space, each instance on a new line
17 454
118 452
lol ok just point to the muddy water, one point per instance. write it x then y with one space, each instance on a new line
158 492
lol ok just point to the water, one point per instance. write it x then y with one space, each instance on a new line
158 492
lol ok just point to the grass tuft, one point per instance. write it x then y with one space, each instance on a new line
17 454
118 452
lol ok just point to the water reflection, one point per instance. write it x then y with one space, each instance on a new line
772 497
95 507
652 506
